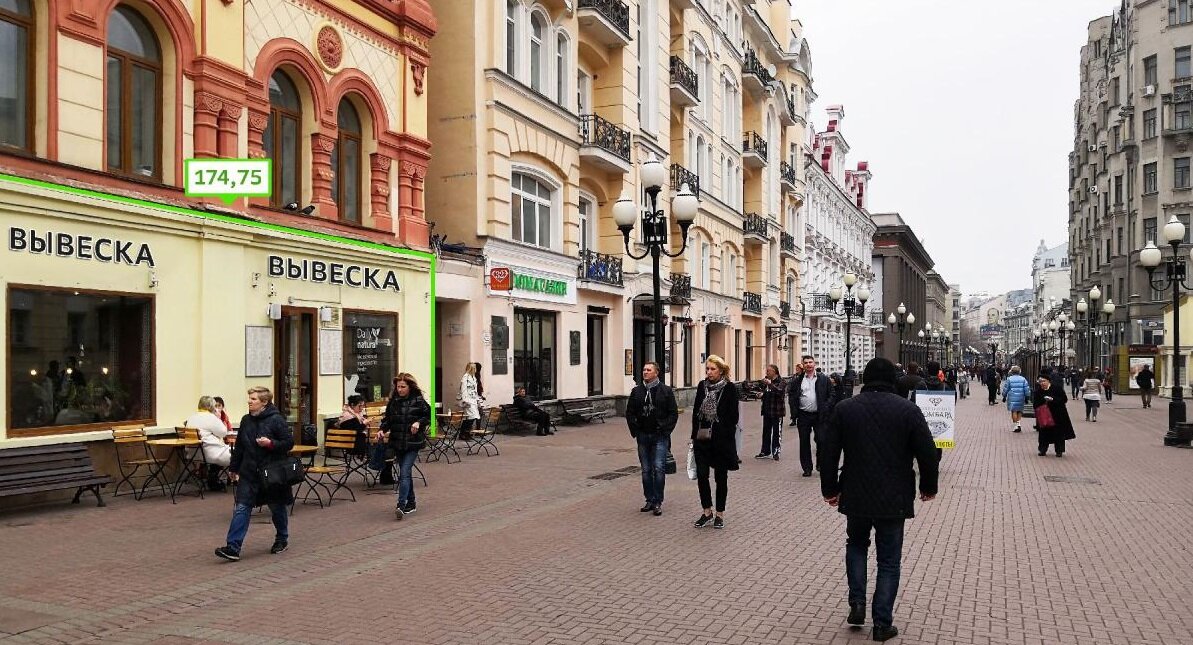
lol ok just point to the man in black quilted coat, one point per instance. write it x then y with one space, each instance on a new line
880 434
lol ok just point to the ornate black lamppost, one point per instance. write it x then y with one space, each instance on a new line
655 229
904 321
1174 278
835 295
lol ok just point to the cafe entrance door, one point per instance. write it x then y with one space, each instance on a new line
295 383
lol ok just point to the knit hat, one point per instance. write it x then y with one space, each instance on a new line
879 370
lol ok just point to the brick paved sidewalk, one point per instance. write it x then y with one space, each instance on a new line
526 548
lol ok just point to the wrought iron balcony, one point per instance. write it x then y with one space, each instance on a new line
612 139
681 285
598 267
787 243
756 225
608 19
821 303
753 149
685 85
787 175
681 176
877 319
784 310
751 302
752 67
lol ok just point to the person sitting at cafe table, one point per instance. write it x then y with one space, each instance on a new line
212 432
353 418
222 412
532 412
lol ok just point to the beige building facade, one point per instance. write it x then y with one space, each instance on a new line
543 123
125 298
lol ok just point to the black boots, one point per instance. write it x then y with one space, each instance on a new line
857 614
884 633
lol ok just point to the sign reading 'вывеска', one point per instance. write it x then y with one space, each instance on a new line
82 247
337 273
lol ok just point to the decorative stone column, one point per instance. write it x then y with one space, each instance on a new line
258 120
322 175
207 110
379 192
227 137
412 223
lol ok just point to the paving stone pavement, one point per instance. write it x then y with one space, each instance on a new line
526 548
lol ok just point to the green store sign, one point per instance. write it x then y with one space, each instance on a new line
540 285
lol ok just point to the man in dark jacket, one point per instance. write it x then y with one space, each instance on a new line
1146 381
774 408
532 412
811 399
651 414
910 382
264 438
880 434
992 384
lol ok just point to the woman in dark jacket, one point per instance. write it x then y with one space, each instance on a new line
264 438
407 416
1053 395
714 437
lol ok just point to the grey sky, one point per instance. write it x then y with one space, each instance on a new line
964 109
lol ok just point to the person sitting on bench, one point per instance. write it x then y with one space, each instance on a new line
532 412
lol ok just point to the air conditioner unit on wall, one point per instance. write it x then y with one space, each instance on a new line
1093 148
1149 90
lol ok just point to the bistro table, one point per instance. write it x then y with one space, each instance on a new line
177 448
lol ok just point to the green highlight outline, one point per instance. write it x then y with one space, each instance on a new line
279 228
227 198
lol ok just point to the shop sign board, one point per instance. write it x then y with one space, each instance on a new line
81 247
940 410
532 284
337 273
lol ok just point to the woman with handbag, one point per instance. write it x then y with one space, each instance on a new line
404 429
714 430
1052 418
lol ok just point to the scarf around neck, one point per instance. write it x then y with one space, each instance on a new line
712 397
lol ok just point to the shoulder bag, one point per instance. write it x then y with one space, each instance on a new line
1044 417
282 474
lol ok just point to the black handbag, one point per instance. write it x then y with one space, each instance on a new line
282 474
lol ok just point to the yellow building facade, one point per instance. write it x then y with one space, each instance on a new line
541 124
126 299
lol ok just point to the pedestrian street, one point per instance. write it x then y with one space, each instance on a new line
544 544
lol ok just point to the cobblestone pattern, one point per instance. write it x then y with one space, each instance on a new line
525 548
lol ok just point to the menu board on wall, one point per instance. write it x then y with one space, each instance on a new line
258 351
331 352
369 346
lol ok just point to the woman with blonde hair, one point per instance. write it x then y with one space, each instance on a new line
469 397
714 431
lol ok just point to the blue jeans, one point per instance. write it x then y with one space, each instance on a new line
405 464
888 538
652 454
240 524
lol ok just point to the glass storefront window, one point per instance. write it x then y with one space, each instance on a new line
534 352
370 354
78 358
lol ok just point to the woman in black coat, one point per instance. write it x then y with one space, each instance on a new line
714 437
404 428
1053 396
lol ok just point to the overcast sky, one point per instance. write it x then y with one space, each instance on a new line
964 109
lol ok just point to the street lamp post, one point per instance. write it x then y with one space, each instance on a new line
901 322
942 339
920 351
1090 312
835 294
655 229
1174 270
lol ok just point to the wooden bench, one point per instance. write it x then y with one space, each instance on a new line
45 468
580 411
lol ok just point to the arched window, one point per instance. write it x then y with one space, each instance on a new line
511 37
134 95
561 69
16 74
538 67
532 201
701 160
345 159
281 138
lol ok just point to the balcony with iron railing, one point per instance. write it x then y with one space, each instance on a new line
787 179
751 302
608 21
877 319
822 304
755 228
604 144
787 244
681 286
685 85
755 76
753 149
598 267
681 176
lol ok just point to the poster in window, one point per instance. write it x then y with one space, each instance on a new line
258 351
370 354
331 352
574 347
629 362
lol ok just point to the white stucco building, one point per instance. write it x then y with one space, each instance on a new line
838 239
1050 276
